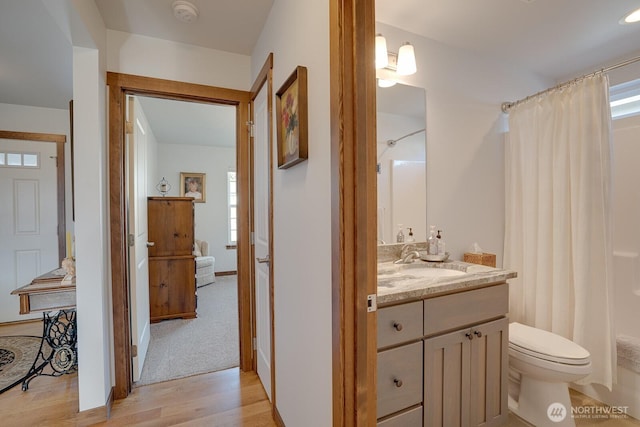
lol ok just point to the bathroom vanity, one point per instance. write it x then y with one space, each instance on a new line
442 344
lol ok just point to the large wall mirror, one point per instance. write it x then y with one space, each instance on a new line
401 162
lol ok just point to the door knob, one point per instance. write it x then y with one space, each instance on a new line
264 260
149 244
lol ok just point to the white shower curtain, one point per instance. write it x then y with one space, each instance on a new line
558 221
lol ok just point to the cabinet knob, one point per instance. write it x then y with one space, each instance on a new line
397 382
397 326
149 244
477 333
469 335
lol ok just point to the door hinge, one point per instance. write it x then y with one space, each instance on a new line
134 351
255 343
372 303
250 127
131 240
128 127
252 238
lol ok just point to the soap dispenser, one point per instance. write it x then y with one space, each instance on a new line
410 238
441 244
400 235
432 241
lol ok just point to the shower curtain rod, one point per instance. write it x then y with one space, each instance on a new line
506 106
392 142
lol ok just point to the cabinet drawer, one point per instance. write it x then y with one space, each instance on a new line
400 323
453 311
399 378
411 418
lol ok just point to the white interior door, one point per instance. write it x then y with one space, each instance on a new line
261 196
137 222
28 219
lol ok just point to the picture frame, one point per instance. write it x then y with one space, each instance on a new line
292 119
193 184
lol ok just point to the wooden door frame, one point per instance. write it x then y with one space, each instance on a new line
119 86
353 210
265 76
59 140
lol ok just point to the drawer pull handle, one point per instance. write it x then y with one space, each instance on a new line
397 326
478 333
469 335
397 382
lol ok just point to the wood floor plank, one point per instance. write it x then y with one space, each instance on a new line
224 398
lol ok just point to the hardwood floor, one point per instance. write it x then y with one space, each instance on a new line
225 398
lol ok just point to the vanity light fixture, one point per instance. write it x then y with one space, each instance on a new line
406 60
381 51
403 62
386 82
631 18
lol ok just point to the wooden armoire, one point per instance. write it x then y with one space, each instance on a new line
172 285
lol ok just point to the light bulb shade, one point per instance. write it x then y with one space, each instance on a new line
631 18
386 83
406 60
381 51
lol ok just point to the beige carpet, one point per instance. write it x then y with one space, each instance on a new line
181 348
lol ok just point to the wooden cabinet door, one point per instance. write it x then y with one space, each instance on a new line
172 288
465 376
171 226
446 379
489 372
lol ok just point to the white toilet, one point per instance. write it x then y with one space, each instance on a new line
541 366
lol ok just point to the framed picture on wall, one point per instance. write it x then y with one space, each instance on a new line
291 110
193 184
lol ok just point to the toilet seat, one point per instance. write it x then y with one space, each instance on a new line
546 345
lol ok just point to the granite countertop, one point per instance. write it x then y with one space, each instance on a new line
404 282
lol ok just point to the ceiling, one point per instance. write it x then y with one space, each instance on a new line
556 39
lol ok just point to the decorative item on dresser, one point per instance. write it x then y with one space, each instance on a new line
172 284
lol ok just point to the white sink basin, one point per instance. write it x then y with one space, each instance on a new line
401 275
414 271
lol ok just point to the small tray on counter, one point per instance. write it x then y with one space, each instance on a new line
434 258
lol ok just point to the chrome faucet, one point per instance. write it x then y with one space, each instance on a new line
408 253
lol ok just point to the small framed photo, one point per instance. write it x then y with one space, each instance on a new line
291 110
193 184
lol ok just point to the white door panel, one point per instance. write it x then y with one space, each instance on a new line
261 235
28 223
137 221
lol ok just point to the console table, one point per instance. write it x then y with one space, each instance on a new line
54 295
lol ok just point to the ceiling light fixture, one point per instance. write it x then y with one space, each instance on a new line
631 18
184 11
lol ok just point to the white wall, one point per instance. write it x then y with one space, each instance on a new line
212 216
297 32
465 172
163 59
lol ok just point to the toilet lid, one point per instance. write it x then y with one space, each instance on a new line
546 345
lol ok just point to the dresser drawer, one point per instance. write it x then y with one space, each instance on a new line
454 311
410 418
399 378
400 323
